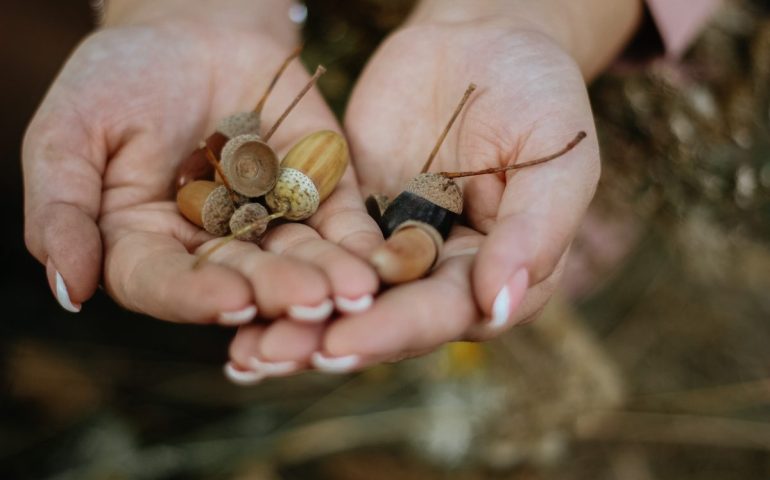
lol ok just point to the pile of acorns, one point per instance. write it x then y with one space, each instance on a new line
250 187
249 178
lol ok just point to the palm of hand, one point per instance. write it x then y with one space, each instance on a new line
531 101
176 82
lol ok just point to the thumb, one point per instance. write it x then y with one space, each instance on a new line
62 166
538 216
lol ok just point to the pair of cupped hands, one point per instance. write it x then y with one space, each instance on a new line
101 156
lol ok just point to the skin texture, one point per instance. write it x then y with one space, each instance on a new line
135 98
519 220
100 160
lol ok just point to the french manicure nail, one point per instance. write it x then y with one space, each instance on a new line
335 364
238 317
242 377
360 304
273 369
318 313
63 296
509 297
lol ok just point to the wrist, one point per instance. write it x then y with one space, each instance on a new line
271 17
593 32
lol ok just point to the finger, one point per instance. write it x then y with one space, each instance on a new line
153 273
281 348
414 317
281 285
540 211
353 282
63 161
530 307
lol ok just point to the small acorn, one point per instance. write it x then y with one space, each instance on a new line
419 219
309 174
249 222
208 205
197 166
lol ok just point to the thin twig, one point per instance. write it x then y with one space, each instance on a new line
318 72
578 138
443 135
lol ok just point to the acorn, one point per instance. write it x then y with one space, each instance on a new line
416 223
208 205
309 174
197 166
249 222
408 254
249 164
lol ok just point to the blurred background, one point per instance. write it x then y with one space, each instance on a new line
659 370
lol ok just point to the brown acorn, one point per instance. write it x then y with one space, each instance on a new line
208 205
197 166
249 222
417 221
309 174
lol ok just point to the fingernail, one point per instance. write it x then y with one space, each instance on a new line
273 369
335 364
319 313
238 317
509 297
242 377
63 296
360 304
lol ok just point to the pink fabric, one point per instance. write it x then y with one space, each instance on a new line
680 21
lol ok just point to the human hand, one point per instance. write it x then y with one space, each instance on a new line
505 262
101 155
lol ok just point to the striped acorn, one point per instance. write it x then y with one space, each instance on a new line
309 174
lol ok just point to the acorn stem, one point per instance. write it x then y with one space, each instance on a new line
578 138
276 77
320 70
441 138
212 158
225 240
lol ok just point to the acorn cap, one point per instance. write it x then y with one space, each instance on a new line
294 194
411 206
206 204
323 157
242 123
437 189
247 215
250 165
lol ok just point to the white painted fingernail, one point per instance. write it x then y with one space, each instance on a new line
509 297
360 304
335 364
273 369
242 377
238 317
319 313
63 296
